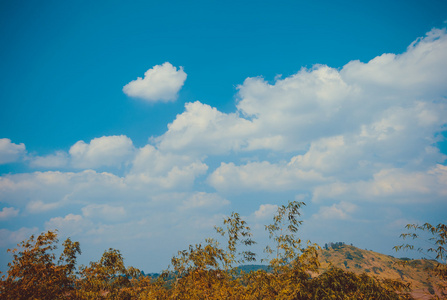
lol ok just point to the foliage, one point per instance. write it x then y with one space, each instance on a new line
282 231
34 273
203 271
237 232
436 250
339 284
107 279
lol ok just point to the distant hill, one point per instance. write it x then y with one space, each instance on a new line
382 266
375 264
253 268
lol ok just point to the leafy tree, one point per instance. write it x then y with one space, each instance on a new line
106 279
238 233
436 250
288 249
34 272
203 271
206 272
337 283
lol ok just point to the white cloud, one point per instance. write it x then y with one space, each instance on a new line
420 71
57 160
266 211
397 117
103 151
397 185
346 136
341 211
349 125
204 200
150 160
104 211
399 136
10 152
38 206
69 225
204 130
8 212
161 83
177 178
43 191
293 111
262 176
154 173
10 238
164 170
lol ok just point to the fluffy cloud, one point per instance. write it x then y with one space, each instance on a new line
205 130
58 160
398 136
405 112
104 211
164 170
8 212
341 211
262 176
10 152
12 238
350 124
44 191
397 185
161 83
204 200
70 225
420 71
266 211
103 151
38 206
360 137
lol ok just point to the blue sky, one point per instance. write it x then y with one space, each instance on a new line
240 106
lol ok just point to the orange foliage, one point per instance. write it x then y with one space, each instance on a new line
202 272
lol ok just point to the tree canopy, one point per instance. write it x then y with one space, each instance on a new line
202 271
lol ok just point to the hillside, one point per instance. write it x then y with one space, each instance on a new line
382 266
379 265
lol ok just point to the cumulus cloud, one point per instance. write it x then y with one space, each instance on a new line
399 116
43 191
419 71
341 211
46 191
57 160
8 212
69 225
397 185
38 206
104 211
262 176
11 238
361 136
205 130
204 200
164 170
266 211
348 124
10 152
161 83
103 151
